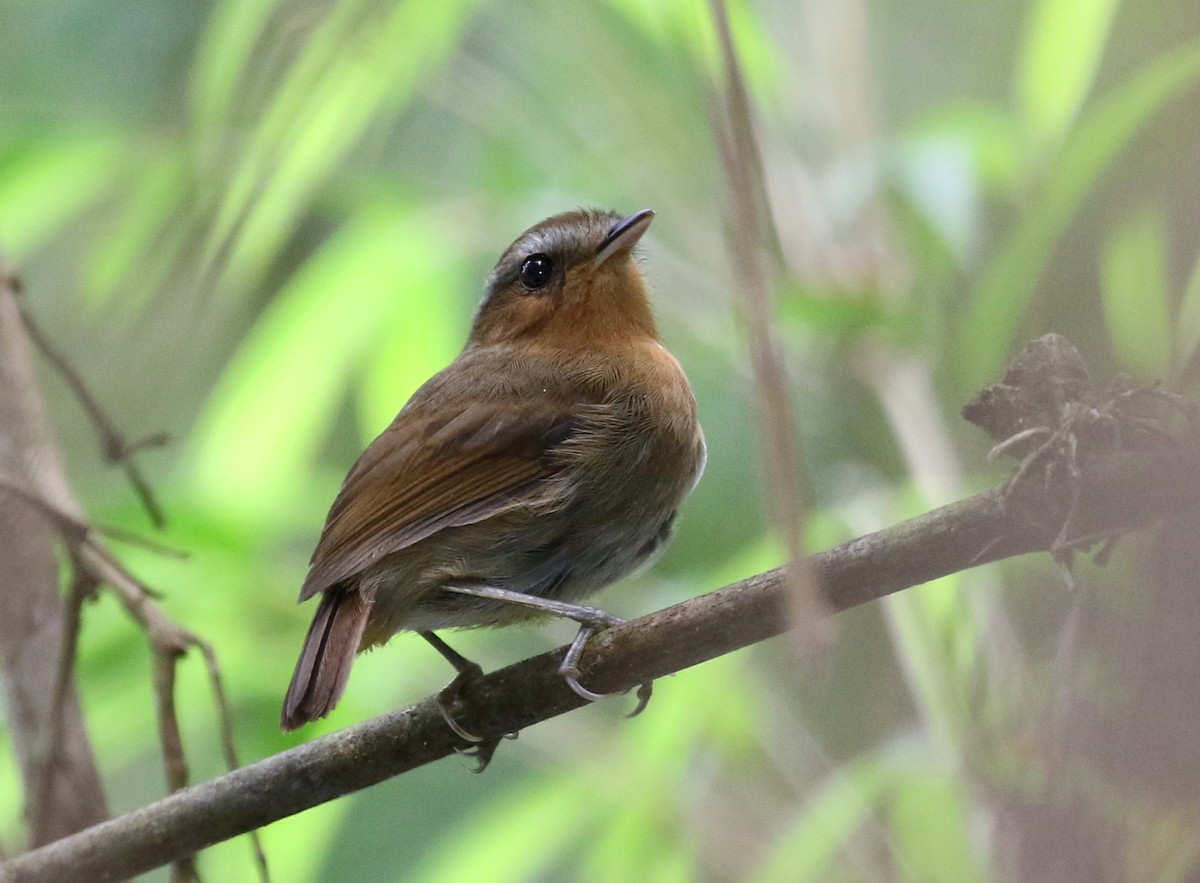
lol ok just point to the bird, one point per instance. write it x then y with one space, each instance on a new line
547 461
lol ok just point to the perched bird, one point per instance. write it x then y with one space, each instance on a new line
544 463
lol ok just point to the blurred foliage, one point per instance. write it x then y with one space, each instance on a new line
260 225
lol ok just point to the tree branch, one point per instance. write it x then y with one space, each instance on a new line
1114 494
37 507
61 783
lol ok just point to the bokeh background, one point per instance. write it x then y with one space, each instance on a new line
258 225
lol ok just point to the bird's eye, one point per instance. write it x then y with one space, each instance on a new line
536 271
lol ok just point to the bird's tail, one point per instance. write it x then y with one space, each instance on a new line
329 649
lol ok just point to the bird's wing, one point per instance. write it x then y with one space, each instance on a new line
428 473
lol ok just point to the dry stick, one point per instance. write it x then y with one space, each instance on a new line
50 493
752 237
227 744
50 740
75 531
174 763
33 615
165 658
1124 492
82 585
168 642
117 449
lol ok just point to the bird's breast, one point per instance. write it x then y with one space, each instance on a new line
635 454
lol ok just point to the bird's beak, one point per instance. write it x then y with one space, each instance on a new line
623 236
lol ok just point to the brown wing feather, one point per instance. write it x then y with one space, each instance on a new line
423 475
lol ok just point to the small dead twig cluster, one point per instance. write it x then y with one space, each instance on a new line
1047 414
116 448
93 568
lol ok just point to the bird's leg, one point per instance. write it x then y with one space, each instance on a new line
467 672
590 619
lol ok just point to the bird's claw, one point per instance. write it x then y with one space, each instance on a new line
643 698
570 674
449 695
482 752
457 728
569 669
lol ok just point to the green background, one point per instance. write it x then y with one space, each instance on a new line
260 225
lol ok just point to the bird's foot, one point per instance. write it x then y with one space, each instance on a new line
483 750
450 694
569 669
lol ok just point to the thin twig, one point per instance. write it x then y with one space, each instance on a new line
752 238
136 539
34 616
227 744
174 763
115 447
69 528
168 642
50 750
183 869
1123 492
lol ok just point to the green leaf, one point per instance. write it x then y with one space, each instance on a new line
514 837
264 424
273 118
931 830
922 622
631 839
143 242
431 337
349 78
986 132
1136 296
1008 282
927 825
690 25
832 309
222 58
837 809
1063 44
46 181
